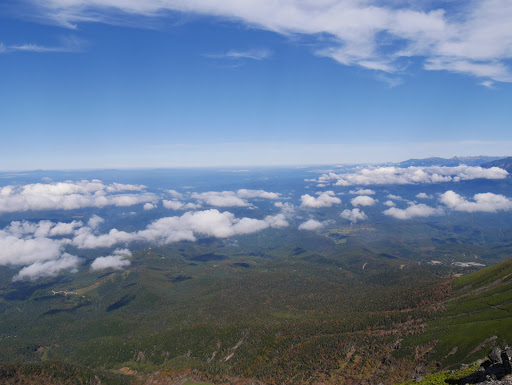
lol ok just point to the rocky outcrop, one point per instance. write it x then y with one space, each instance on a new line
496 370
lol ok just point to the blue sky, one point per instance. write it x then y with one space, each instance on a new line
125 83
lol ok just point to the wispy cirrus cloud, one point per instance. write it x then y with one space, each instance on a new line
68 44
252 54
472 38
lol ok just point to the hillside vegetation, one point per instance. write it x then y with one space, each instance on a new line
475 318
362 311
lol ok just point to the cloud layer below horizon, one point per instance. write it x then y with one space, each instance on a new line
45 248
410 175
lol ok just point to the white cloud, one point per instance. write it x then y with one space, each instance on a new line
85 239
64 228
148 206
243 193
254 54
192 206
211 223
173 205
16 250
95 221
175 194
312 225
63 188
25 244
424 196
118 187
30 246
486 202
362 192
220 199
487 84
324 199
232 198
49 268
286 207
412 175
413 211
395 197
276 221
363 200
390 203
116 261
6 191
68 44
468 37
70 196
354 215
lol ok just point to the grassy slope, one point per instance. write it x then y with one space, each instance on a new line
477 317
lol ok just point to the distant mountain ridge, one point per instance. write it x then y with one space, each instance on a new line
505 163
450 162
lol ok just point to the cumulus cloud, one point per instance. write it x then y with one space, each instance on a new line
148 206
175 194
470 38
486 202
354 215
210 223
232 198
363 200
276 221
118 187
25 244
49 268
173 205
39 248
390 203
413 211
312 225
43 228
286 208
244 193
424 196
71 196
117 261
362 192
84 238
95 221
324 199
411 175
28 245
64 228
221 199
16 250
